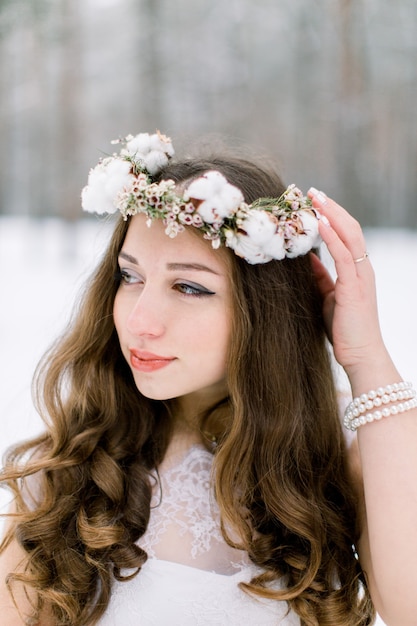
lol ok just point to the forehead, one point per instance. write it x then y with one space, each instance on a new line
152 244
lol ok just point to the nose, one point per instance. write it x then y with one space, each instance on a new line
146 318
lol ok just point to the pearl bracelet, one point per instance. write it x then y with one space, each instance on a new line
358 411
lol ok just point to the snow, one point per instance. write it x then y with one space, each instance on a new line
43 265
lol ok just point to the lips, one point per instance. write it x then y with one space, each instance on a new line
144 361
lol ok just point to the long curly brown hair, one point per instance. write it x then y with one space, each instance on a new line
83 490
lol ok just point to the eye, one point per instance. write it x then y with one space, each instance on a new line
128 277
193 289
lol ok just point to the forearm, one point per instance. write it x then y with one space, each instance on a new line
388 450
388 446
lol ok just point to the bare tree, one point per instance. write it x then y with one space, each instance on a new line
328 88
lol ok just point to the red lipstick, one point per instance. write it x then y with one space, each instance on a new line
143 361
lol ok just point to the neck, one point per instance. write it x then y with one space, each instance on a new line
190 409
189 413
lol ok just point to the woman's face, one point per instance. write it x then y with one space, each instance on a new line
172 313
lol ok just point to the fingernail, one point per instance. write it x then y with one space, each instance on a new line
321 197
322 218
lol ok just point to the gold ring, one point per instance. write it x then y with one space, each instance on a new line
361 258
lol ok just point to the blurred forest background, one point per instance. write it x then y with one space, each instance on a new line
325 88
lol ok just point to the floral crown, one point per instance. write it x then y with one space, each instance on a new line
259 232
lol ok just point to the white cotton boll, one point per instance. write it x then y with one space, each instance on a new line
311 227
243 246
275 247
154 161
207 186
152 150
299 245
219 198
302 243
119 176
208 212
162 144
260 226
138 145
105 182
94 202
231 196
198 189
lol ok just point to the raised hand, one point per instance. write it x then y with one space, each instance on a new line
349 303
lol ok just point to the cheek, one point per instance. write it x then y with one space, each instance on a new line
219 337
226 340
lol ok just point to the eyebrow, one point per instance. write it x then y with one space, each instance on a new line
128 257
195 267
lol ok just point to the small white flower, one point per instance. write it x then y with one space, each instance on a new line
166 186
189 207
173 228
185 218
152 191
219 199
151 151
141 182
106 182
197 220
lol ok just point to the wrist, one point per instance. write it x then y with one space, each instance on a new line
377 370
381 402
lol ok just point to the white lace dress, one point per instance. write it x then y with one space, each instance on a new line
191 577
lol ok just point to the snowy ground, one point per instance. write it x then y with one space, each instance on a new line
43 265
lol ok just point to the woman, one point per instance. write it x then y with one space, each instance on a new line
193 469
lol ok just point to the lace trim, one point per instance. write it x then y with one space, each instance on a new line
184 524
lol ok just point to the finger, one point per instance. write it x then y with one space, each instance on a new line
342 234
347 227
